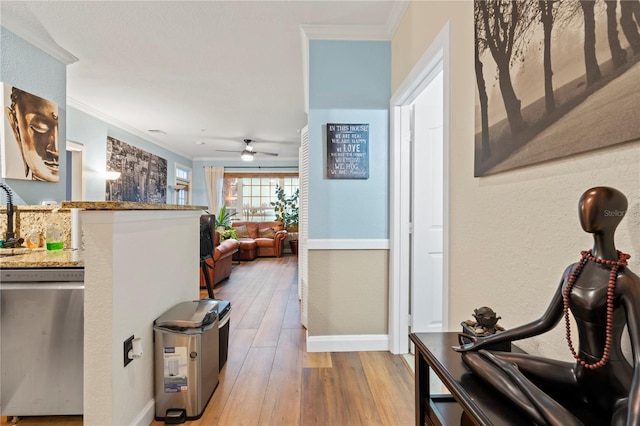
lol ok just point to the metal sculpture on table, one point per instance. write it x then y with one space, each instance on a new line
603 296
484 324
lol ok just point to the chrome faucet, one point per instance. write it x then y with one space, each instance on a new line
10 233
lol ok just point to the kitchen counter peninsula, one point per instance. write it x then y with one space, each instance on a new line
40 258
140 259
126 205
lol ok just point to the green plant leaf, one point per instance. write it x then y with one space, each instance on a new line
224 217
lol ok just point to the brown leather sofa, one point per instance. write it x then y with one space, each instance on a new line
219 264
259 239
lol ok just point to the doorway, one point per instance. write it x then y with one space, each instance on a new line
418 299
75 172
425 238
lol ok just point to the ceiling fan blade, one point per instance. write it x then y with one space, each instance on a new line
227 150
274 154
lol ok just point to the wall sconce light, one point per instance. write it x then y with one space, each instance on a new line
112 175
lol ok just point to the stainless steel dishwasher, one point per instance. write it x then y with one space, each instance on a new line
41 341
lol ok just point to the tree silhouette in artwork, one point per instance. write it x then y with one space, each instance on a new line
547 17
480 46
635 7
591 62
629 27
500 26
618 55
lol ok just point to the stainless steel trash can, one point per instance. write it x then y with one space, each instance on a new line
186 360
224 315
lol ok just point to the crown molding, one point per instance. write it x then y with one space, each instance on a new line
124 126
48 46
395 17
359 32
346 32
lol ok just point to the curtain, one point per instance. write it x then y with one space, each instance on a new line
214 176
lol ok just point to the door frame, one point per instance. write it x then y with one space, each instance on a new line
78 188
436 55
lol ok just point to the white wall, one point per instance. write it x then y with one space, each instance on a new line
138 264
511 234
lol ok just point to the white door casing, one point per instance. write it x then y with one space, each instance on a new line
436 57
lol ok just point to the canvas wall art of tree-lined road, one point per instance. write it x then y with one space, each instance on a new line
554 78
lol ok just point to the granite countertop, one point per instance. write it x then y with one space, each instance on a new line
40 258
125 205
31 208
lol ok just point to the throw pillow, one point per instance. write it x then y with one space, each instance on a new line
242 231
267 233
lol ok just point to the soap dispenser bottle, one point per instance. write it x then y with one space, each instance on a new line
53 234
34 239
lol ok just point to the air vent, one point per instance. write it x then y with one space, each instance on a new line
162 132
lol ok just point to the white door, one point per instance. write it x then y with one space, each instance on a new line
426 298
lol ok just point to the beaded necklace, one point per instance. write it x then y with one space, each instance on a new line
615 264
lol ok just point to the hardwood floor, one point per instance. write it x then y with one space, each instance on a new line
269 379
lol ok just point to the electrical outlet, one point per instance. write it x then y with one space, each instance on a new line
128 345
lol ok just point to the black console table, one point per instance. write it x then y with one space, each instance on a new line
471 401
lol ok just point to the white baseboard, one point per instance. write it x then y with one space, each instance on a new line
352 343
147 415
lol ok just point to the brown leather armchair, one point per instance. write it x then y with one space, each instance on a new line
260 239
219 263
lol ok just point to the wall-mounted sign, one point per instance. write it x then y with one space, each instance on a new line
347 151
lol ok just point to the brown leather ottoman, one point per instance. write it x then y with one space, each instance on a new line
247 251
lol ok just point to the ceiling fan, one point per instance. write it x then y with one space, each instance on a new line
249 151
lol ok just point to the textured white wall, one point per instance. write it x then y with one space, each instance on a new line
138 264
512 234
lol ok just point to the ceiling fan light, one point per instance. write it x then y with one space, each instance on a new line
246 155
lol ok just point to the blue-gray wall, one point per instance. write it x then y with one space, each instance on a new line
25 66
349 82
92 133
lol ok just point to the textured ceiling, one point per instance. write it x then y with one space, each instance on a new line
200 71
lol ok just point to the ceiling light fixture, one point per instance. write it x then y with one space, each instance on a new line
246 155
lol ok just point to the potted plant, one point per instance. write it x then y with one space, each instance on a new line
223 220
286 209
227 234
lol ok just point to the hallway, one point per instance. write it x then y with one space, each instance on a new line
269 379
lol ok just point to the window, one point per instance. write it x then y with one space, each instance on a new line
183 185
250 195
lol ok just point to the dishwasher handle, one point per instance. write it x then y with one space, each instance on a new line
43 286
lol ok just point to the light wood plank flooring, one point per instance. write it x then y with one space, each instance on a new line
269 379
